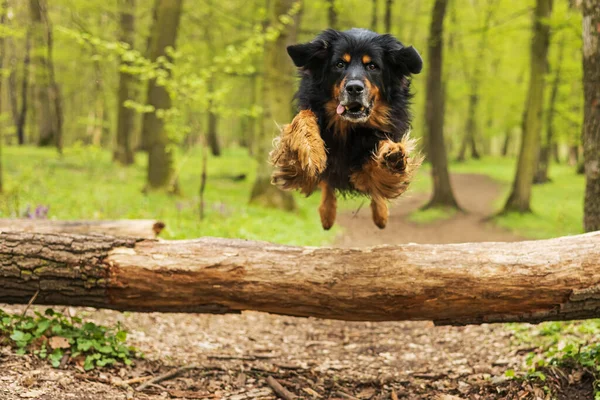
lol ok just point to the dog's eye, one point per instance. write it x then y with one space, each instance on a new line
371 66
340 64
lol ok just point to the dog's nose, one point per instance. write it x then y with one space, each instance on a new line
355 87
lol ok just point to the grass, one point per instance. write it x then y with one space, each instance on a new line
557 206
431 215
85 184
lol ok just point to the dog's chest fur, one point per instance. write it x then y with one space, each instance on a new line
348 151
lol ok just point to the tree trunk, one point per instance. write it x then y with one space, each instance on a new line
3 10
434 112
469 140
388 16
22 112
332 16
555 152
45 89
138 228
160 158
492 282
591 120
278 90
126 115
520 197
506 143
212 136
573 155
374 15
541 175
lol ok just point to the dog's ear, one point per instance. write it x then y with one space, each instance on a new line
303 54
408 58
306 54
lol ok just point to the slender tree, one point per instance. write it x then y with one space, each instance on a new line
388 16
48 107
541 175
277 93
469 139
591 119
520 196
21 112
160 158
125 115
332 16
374 15
211 130
443 195
3 9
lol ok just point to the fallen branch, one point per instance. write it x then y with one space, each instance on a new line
280 390
556 279
165 376
138 228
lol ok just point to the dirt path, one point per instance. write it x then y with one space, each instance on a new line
476 194
313 358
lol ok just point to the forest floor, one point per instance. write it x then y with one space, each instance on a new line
231 356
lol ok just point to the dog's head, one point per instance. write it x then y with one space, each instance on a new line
358 71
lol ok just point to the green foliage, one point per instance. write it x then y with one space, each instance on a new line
559 344
53 335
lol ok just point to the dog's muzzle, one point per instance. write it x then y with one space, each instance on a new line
354 103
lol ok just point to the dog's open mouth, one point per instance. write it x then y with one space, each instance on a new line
354 111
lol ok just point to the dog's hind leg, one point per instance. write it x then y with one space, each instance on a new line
299 154
379 211
327 208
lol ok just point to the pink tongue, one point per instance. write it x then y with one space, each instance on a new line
340 109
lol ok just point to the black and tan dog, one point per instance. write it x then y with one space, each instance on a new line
351 134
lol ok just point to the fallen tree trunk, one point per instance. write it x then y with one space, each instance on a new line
138 228
556 279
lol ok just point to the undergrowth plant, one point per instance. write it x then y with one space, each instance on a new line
570 345
61 339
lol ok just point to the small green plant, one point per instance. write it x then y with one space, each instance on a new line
570 345
57 338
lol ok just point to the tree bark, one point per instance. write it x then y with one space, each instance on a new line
434 112
126 115
591 120
277 94
160 158
520 197
388 16
49 120
138 228
492 282
541 175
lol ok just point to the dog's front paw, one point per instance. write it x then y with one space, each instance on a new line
305 139
393 156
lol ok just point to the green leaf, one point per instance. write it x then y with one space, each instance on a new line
510 373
